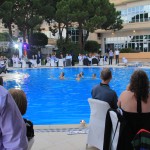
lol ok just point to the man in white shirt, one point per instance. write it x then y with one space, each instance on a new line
117 56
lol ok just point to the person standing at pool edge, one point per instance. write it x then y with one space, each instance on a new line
117 56
103 92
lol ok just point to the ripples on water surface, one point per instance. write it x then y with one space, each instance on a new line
54 101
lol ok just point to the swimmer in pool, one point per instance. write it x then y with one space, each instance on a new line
78 77
26 75
62 76
93 76
82 74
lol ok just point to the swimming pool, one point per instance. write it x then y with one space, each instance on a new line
54 101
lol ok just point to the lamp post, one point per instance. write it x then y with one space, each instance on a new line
25 49
16 46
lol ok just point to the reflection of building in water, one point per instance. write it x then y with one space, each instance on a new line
135 34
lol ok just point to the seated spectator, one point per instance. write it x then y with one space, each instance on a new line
104 58
86 61
62 76
3 68
124 60
25 58
21 101
68 60
94 60
12 126
135 103
103 92
80 58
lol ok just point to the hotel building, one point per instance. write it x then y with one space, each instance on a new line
135 33
136 27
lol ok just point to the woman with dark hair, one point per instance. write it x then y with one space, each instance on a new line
135 105
138 90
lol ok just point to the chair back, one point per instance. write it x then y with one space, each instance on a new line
121 127
94 61
115 130
97 122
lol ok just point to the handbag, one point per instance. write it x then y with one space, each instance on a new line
141 140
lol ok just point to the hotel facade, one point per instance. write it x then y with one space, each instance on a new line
136 27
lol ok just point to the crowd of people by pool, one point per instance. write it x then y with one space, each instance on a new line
60 60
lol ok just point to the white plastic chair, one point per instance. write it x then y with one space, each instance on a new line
114 120
48 64
97 122
53 63
30 143
80 62
39 65
61 62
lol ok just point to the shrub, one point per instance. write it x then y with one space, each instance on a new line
129 50
68 47
91 46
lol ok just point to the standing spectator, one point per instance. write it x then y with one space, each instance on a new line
39 57
117 56
103 92
12 126
111 55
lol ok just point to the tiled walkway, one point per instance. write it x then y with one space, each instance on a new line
59 138
59 141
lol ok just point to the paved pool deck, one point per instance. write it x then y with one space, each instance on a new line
58 138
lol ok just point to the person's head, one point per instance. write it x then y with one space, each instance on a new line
139 84
62 74
79 75
106 75
1 81
82 74
20 99
93 75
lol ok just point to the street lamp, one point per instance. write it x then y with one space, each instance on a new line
16 46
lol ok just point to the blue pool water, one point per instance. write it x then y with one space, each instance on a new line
54 101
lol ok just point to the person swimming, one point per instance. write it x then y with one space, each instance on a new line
78 77
82 74
26 75
62 76
93 76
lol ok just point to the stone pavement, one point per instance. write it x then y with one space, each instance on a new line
58 138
